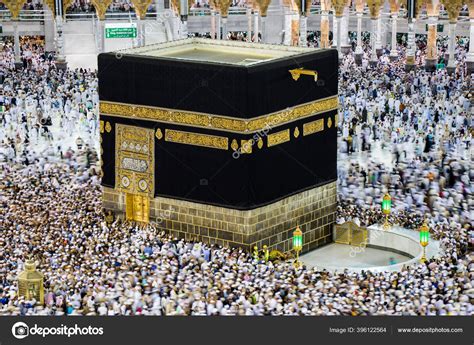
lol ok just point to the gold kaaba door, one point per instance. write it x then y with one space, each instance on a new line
135 169
137 208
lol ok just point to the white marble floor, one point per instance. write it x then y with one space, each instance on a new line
377 155
82 61
339 256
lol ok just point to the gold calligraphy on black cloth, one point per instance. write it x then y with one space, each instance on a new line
134 160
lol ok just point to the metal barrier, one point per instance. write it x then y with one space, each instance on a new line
73 16
38 15
207 11
24 16
150 15
443 14
350 233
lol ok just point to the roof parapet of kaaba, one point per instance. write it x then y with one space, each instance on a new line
217 51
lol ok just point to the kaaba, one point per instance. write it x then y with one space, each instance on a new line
225 142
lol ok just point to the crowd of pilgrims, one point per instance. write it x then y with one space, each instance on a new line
405 133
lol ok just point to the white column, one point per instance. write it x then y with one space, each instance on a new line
255 26
224 28
249 24
183 16
16 42
338 25
49 29
184 29
345 28
287 28
335 28
60 56
470 55
101 30
213 24
411 46
359 49
373 40
141 32
263 28
394 51
60 38
303 31
378 42
452 45
218 25
431 46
